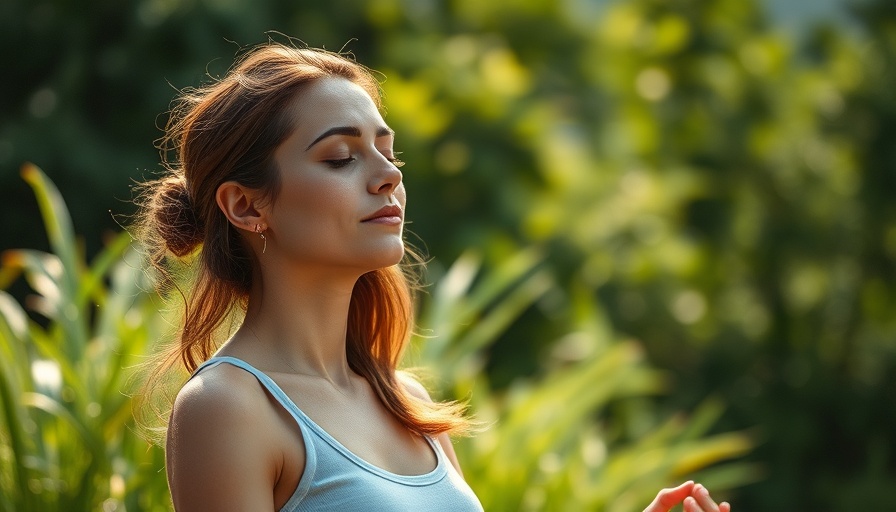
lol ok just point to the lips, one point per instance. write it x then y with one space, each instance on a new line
390 213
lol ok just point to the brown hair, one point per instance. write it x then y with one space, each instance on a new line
228 130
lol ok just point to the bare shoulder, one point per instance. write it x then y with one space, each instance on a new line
413 386
220 451
223 389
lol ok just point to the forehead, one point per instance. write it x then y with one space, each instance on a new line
331 102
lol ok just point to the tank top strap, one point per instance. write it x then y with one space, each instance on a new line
305 424
336 479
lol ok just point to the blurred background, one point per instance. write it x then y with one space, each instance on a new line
707 183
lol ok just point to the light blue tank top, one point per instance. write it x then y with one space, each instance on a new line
337 479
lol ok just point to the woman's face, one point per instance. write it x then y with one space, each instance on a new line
341 199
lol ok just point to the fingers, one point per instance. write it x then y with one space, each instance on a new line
694 497
701 494
668 498
702 498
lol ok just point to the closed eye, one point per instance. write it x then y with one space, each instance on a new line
342 162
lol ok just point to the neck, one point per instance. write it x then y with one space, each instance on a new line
297 323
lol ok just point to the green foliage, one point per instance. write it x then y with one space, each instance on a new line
576 437
67 436
723 191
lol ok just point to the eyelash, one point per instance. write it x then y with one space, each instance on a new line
342 162
395 161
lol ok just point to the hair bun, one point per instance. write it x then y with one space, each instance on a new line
176 220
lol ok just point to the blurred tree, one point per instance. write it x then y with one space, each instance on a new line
720 189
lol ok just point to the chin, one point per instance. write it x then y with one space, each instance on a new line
391 256
396 257
385 256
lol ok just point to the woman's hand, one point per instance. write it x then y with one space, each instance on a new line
695 497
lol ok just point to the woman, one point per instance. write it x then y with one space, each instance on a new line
286 177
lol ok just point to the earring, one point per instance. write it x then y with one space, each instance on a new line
261 234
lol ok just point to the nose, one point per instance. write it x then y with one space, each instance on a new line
386 179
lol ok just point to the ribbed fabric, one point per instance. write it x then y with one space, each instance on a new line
337 479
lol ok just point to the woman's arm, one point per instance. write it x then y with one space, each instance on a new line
220 452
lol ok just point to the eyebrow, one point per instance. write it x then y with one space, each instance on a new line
350 131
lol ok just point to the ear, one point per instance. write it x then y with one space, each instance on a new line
239 205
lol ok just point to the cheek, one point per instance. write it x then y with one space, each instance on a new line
308 207
318 196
